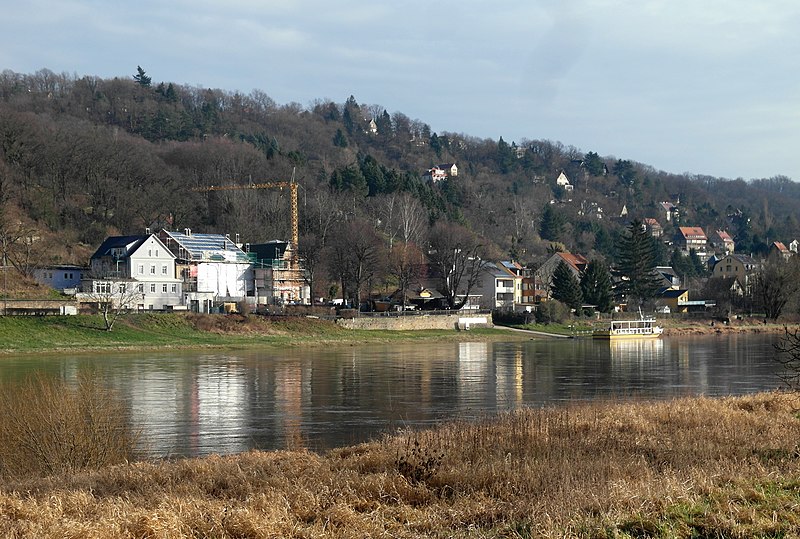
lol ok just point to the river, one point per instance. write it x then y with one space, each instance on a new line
198 403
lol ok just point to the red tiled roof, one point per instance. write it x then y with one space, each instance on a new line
694 232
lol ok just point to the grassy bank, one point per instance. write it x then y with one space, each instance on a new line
22 334
686 468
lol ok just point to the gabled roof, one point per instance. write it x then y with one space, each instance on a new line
723 235
780 246
124 245
651 222
692 232
577 262
671 293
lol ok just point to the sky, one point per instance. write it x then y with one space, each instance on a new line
707 87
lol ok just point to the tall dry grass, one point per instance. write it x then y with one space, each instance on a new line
691 467
52 427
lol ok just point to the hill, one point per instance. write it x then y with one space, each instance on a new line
82 158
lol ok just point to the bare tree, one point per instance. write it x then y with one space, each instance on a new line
775 285
114 297
406 265
356 254
456 256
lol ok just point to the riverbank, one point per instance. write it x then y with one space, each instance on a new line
32 334
684 468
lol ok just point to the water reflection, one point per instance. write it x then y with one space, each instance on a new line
195 404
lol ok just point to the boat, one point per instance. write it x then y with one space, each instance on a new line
639 328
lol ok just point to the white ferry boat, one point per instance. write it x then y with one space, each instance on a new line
640 328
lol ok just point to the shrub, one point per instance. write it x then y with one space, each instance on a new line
52 427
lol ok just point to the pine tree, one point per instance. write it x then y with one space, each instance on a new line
565 287
637 263
596 286
141 78
552 227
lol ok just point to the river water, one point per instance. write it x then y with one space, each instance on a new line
197 403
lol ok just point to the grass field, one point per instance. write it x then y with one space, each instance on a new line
23 334
698 467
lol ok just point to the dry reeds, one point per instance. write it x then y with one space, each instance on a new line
51 427
690 467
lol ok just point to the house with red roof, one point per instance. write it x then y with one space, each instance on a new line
691 237
543 277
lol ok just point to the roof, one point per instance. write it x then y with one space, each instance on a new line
723 235
114 243
671 293
215 247
692 232
779 246
576 261
649 221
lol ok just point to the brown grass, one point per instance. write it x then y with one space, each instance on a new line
692 467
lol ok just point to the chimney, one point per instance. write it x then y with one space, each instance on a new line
147 230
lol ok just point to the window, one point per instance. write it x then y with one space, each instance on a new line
122 288
153 288
164 269
152 269
156 252
149 252
164 287
141 288
141 269
174 288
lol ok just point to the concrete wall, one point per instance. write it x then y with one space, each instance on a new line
37 307
417 321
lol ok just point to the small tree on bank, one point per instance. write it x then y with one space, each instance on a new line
113 298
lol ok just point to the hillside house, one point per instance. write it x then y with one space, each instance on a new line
669 210
563 182
779 252
721 241
653 227
142 261
212 268
440 172
691 237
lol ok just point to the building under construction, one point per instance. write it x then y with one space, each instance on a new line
279 280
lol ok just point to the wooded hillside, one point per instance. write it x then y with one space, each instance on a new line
83 158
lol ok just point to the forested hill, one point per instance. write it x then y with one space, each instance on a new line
82 158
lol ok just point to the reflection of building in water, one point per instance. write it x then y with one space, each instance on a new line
509 380
472 361
289 402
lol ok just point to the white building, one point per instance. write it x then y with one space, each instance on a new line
142 261
213 269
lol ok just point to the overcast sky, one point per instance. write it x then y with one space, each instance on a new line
701 86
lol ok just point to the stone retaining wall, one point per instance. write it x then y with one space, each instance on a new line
417 321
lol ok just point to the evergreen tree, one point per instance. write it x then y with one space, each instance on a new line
594 165
697 264
636 260
552 227
596 286
141 78
565 287
339 139
506 157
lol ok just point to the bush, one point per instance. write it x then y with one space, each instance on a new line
51 427
552 312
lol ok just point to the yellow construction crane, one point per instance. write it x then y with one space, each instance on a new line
291 185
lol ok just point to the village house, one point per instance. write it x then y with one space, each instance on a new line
66 278
140 261
721 241
691 237
740 267
653 227
669 210
212 268
563 182
440 172
778 252
543 277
